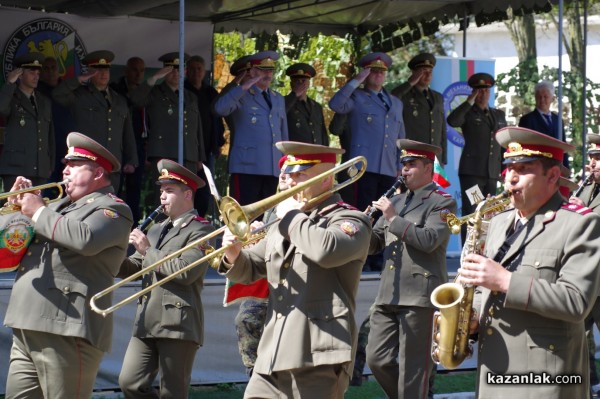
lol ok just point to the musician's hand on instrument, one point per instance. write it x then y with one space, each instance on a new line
234 246
479 270
576 201
30 203
257 224
386 206
474 323
140 241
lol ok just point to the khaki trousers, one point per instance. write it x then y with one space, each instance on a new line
323 382
145 357
44 365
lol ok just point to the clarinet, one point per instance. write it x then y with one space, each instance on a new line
373 213
146 223
584 183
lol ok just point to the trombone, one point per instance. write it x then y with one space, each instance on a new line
10 208
237 218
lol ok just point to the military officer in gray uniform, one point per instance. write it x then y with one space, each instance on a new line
312 259
481 159
375 120
29 135
256 118
413 234
169 322
424 117
99 111
80 241
306 123
537 280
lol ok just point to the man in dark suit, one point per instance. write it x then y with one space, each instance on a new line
169 321
541 118
29 139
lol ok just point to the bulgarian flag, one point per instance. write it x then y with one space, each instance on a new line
439 175
236 292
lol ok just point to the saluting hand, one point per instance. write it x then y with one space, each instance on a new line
248 83
86 76
472 96
161 73
14 75
479 270
416 76
362 75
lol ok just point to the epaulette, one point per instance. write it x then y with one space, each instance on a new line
115 198
582 210
201 220
443 193
346 206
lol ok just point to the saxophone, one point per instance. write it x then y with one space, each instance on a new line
450 344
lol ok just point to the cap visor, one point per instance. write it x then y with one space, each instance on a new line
512 160
297 168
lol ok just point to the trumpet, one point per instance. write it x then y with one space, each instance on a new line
237 218
10 208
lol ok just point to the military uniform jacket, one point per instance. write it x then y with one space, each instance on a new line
163 122
75 254
313 264
29 147
110 126
306 123
422 122
586 195
481 155
174 309
255 129
538 324
374 130
414 246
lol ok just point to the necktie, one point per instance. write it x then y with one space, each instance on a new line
409 197
163 233
511 236
32 99
382 98
594 193
426 94
548 119
267 98
105 95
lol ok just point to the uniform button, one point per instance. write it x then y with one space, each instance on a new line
386 136
385 146
551 347
286 265
491 312
178 304
489 331
392 267
39 148
537 263
282 282
279 315
386 126
22 268
40 140
160 137
29 253
280 298
310 123
66 289
109 129
36 240
109 119
109 139
426 274
393 253
327 317
186 126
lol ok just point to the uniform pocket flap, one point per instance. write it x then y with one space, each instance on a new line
169 299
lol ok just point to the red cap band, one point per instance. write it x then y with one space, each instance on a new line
310 158
418 154
168 175
83 153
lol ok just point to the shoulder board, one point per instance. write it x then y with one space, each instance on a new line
115 198
443 193
582 210
346 206
201 220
